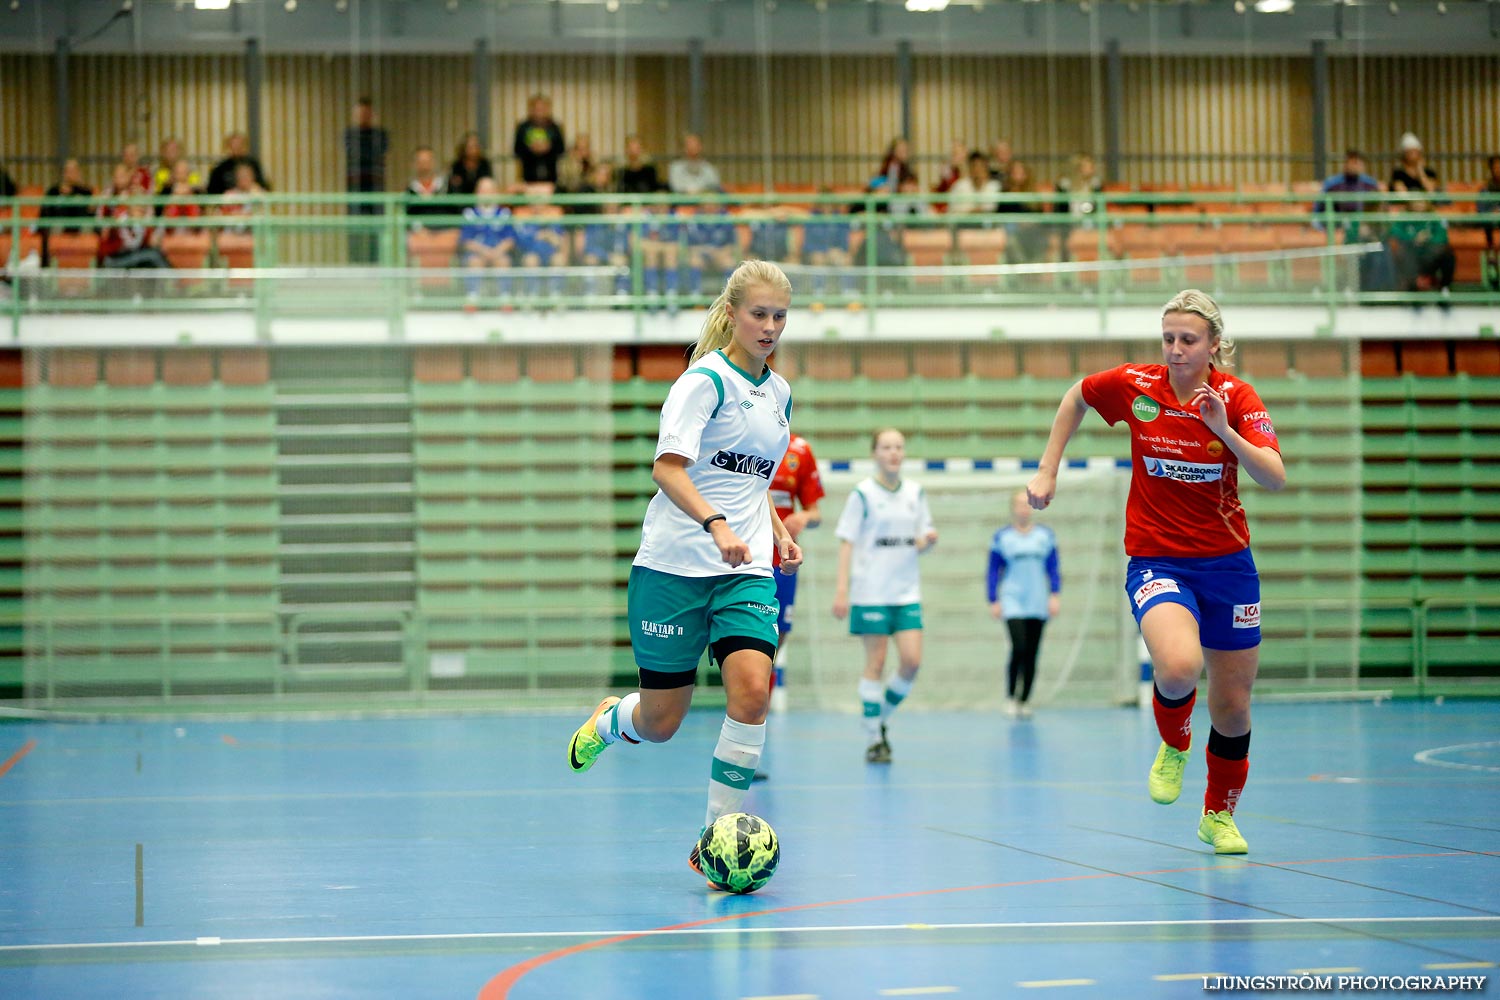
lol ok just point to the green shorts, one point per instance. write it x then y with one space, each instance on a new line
674 618
884 619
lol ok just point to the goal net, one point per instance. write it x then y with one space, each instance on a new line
1088 653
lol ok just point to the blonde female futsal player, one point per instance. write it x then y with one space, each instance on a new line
884 526
702 576
1191 579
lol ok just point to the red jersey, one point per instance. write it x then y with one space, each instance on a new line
797 480
1184 481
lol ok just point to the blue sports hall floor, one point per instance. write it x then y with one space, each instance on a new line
436 857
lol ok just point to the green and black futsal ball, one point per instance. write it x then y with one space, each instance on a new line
739 852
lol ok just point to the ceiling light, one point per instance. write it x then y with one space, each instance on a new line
211 4
1274 6
290 5
926 6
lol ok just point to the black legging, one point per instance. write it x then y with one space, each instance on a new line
1025 642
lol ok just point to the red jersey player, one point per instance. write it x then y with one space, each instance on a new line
797 484
1191 579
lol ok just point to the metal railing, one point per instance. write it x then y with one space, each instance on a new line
372 255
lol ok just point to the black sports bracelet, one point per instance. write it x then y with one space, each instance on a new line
710 519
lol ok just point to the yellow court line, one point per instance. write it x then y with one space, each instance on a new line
1185 977
1032 984
1460 965
1323 972
917 991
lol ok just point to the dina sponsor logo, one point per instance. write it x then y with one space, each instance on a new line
1146 591
745 465
1183 472
1247 615
1145 409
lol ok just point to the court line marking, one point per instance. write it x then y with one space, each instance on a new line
1459 965
15 758
498 988
1185 977
1429 757
687 930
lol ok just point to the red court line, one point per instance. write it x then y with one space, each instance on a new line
15 758
499 987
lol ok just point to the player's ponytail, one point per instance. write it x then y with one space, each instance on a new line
718 325
1191 300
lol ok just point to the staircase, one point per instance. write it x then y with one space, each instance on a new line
346 520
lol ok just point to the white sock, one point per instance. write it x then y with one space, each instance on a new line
870 696
735 759
896 692
619 721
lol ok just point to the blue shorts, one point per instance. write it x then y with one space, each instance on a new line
786 593
1222 592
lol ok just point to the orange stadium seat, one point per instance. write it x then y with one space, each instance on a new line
1083 247
1143 242
1468 250
236 250
982 248
186 250
432 249
1200 242
927 248
73 255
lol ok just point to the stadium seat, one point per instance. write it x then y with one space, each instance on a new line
236 250
433 250
73 256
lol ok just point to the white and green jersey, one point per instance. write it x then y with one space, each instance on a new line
734 428
884 525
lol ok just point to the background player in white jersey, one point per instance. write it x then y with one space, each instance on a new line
884 526
1022 584
702 576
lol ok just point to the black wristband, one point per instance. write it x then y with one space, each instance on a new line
710 519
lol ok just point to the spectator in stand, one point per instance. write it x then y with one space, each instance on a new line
890 250
487 238
470 166
164 179
240 199
692 174
976 191
132 242
605 244
1027 241
540 245
574 169
70 185
180 196
638 174
365 147
1491 187
1412 174
1352 180
425 187
7 184
121 180
958 166
825 247
236 151
1370 272
1000 161
661 236
895 169
1424 259
1082 186
712 245
539 142
140 174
